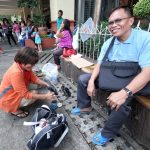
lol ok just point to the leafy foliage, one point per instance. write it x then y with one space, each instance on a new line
142 9
28 3
44 35
39 20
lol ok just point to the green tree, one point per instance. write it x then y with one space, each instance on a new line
142 9
28 4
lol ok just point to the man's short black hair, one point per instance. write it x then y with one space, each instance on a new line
27 55
60 12
127 9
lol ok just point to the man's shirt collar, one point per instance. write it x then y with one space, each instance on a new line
128 41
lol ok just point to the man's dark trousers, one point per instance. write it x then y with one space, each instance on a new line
115 119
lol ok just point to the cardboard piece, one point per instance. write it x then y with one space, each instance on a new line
81 62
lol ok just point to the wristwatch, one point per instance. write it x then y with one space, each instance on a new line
128 92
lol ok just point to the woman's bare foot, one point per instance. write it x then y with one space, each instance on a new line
40 51
58 67
20 113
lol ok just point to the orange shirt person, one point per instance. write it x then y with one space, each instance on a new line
15 83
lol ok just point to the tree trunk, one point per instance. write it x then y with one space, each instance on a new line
31 12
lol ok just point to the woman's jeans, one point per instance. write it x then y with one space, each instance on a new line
57 53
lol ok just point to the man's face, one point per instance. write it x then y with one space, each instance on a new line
120 23
59 14
27 67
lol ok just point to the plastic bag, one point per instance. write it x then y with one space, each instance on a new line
51 72
87 30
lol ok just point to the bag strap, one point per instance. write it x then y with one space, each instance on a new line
5 91
25 123
108 50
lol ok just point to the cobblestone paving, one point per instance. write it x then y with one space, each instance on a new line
88 125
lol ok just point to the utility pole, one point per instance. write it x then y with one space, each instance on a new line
97 11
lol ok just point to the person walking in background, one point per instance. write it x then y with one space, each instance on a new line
29 29
1 32
23 36
65 40
16 90
7 29
59 20
16 29
37 38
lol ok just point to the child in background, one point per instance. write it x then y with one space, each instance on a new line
36 35
59 20
16 29
22 36
1 33
1 51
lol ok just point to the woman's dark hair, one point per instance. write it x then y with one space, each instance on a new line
36 28
27 56
5 20
66 23
28 17
127 9
23 22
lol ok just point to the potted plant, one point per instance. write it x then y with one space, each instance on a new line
39 20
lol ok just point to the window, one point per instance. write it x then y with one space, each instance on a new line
89 9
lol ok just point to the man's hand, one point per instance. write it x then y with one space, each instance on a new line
116 99
91 88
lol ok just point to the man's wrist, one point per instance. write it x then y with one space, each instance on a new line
91 80
129 92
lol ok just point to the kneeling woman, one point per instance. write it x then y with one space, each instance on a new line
65 40
14 88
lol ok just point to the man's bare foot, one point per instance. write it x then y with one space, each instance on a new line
78 111
89 109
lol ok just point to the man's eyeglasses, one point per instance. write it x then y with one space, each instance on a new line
117 21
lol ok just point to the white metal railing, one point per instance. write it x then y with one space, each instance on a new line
91 48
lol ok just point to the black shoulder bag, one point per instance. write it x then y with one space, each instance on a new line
116 75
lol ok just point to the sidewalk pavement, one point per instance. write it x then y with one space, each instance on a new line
14 136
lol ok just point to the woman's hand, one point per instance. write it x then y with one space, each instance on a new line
32 35
91 88
43 83
50 96
61 26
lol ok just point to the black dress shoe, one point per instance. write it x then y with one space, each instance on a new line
53 89
66 91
